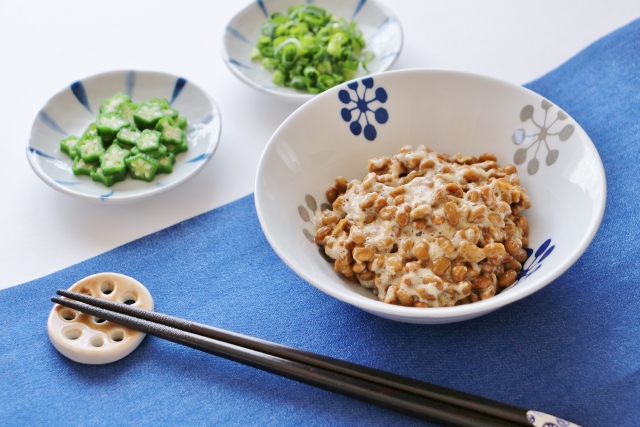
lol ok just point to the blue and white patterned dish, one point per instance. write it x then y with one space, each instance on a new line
70 111
339 130
380 28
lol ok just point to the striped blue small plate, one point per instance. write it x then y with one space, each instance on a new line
72 109
380 28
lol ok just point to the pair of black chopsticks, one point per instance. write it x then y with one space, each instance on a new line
412 397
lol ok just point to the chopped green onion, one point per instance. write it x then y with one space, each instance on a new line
310 50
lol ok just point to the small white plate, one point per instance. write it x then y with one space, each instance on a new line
339 130
380 28
71 110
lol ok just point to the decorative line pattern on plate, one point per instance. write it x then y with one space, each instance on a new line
237 34
78 90
362 105
107 195
130 83
264 9
389 55
47 120
180 83
69 183
198 158
358 7
520 136
41 154
540 419
239 64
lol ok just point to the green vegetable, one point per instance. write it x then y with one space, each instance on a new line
109 125
107 180
80 167
111 105
147 116
149 140
144 152
90 148
165 163
127 138
142 167
309 49
112 162
126 111
68 145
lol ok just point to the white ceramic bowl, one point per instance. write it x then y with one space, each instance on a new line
449 112
380 28
71 110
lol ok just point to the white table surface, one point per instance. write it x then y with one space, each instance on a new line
47 45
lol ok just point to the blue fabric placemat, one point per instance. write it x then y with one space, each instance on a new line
571 349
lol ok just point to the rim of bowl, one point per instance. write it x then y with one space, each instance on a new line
302 97
480 307
125 198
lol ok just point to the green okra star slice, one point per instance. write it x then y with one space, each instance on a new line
68 145
173 135
92 130
177 148
110 105
147 115
142 167
80 167
149 140
181 122
126 110
90 148
159 101
109 125
170 112
107 180
128 137
112 162
165 163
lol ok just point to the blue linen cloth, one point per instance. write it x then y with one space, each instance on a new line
570 350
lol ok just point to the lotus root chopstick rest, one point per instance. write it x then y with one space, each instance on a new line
87 339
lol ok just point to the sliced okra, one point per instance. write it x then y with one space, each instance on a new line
90 148
112 161
176 148
126 111
92 130
170 112
109 125
159 101
165 163
156 154
107 180
142 167
147 115
173 135
128 137
80 167
68 145
149 140
110 105
181 122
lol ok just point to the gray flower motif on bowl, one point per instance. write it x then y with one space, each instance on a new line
312 206
542 132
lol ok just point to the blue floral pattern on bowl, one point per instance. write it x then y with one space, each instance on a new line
363 107
530 266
